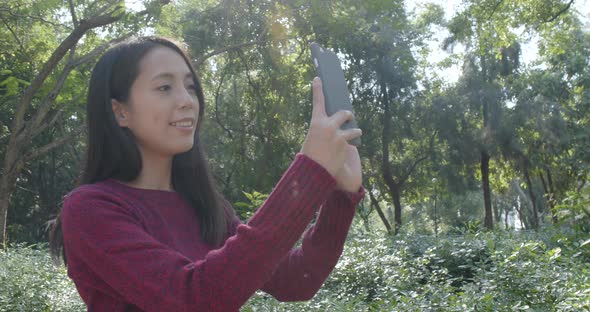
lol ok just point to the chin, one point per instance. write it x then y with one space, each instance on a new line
185 149
178 148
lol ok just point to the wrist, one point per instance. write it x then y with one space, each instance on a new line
348 188
355 196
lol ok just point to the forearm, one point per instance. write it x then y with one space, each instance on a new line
303 271
110 240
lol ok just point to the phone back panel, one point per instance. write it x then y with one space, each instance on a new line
333 83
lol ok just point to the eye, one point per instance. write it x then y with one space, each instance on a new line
164 88
192 88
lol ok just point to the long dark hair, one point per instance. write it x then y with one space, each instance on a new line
113 153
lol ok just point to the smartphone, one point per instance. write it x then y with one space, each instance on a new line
334 85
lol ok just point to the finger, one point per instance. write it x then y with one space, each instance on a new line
319 106
341 117
352 134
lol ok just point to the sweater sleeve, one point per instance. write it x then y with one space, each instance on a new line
303 271
109 239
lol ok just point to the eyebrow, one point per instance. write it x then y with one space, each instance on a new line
170 75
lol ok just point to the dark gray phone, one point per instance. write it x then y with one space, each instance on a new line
334 85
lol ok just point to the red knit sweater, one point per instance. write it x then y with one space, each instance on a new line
132 249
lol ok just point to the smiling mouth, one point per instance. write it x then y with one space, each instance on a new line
183 124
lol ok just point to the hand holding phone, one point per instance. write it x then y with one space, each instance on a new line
334 85
327 144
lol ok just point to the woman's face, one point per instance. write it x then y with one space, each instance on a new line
163 109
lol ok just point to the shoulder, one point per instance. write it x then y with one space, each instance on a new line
100 191
95 200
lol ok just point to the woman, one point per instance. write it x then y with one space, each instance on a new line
146 229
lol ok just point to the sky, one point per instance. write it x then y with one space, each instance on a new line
451 74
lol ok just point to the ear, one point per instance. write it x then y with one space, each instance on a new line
121 113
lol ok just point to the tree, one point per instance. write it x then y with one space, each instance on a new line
488 31
375 40
37 105
551 111
250 57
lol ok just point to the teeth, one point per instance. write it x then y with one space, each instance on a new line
183 124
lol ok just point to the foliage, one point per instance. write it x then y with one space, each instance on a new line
44 68
422 144
253 58
498 271
246 209
575 209
29 281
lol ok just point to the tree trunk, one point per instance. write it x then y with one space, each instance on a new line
12 167
506 226
485 157
487 196
395 195
435 213
7 186
23 131
393 186
375 204
551 197
521 216
534 210
496 210
523 200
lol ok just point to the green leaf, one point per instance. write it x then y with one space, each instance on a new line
242 205
119 9
555 253
11 84
249 196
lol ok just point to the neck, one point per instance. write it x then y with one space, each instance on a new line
156 172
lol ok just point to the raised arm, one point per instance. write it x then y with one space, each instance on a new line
303 271
108 239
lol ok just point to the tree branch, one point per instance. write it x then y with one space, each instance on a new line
258 94
102 10
409 172
54 119
53 60
50 98
232 48
494 9
375 203
48 147
37 18
98 50
419 160
13 33
37 127
567 6
48 124
18 41
73 13
22 188
217 119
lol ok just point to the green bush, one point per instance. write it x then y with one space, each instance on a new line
500 271
30 282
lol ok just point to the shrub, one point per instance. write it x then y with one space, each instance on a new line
30 282
500 271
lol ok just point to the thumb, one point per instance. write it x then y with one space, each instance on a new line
319 106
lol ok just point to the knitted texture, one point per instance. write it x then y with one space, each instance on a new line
131 249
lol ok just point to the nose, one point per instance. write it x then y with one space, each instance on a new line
186 99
